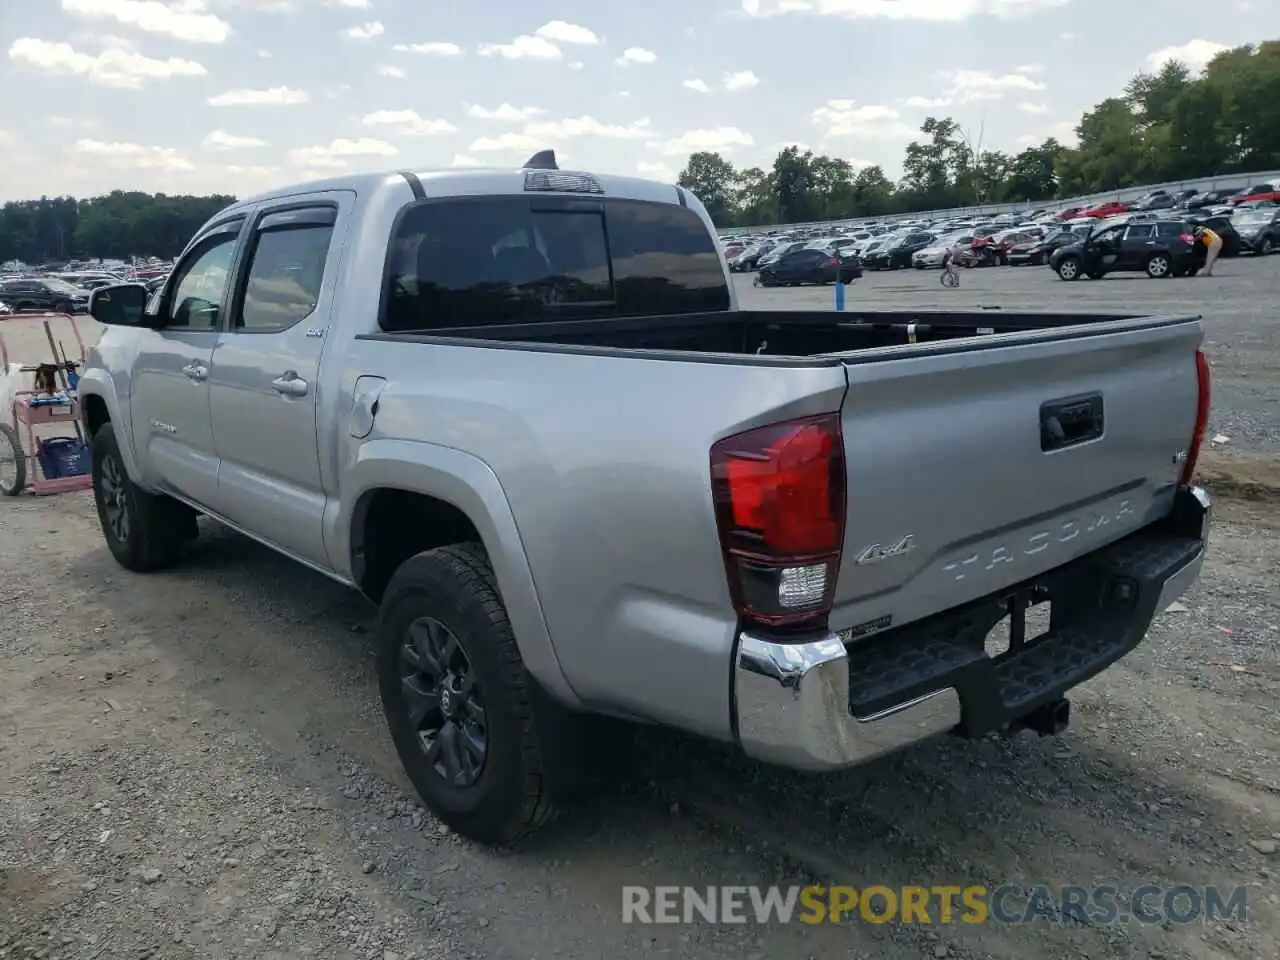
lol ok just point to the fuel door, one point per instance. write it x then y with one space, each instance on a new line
364 405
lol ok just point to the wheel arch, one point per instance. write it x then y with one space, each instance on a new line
402 497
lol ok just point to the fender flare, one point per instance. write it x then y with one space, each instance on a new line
469 484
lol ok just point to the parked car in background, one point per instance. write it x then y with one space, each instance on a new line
1103 211
1036 252
1003 242
897 255
931 257
1258 230
1259 191
808 265
749 258
1160 248
44 293
1211 198
1155 200
780 251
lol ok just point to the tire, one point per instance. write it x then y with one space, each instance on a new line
9 438
1069 268
1159 266
445 603
155 527
63 306
1264 246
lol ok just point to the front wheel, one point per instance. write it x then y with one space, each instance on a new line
1264 247
144 531
1069 268
462 710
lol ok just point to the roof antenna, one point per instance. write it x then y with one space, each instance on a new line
542 160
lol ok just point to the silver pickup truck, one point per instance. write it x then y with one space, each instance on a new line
521 411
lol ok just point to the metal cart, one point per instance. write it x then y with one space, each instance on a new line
44 465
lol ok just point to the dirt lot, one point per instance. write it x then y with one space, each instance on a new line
195 765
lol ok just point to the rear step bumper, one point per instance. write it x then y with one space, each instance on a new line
822 705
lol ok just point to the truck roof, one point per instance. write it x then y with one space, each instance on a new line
473 181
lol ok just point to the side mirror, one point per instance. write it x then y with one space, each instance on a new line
119 305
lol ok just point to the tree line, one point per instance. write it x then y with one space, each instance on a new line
1167 125
53 230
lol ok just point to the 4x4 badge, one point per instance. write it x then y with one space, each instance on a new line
877 552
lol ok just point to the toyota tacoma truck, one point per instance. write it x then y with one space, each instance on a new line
522 411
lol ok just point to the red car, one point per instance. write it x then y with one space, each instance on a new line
1259 191
1071 213
1111 209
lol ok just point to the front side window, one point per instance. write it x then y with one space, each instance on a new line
285 274
196 303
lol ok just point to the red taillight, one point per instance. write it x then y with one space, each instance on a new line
1187 237
779 495
1205 383
835 261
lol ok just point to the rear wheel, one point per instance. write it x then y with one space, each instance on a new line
1159 266
470 726
1069 268
1264 247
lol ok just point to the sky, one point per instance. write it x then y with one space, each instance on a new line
238 96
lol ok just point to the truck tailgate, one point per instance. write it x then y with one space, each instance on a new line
982 463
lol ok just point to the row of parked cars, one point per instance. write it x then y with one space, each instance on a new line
63 292
1244 217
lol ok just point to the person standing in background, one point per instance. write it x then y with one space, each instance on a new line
1213 247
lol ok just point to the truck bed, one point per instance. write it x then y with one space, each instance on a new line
781 335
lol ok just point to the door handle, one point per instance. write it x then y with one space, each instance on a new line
196 371
290 385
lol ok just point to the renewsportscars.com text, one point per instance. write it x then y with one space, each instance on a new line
938 904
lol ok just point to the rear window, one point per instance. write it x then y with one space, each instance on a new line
1172 228
489 261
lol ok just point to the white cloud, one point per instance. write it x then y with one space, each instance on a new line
386 70
635 55
552 130
221 140
252 170
655 171
408 123
717 139
1035 109
1029 68
1064 131
1196 54
335 155
187 20
110 68
557 31
969 86
577 65
462 160
845 118
926 103
740 80
433 48
270 97
699 85
523 47
135 155
1066 37
505 112
937 11
365 31
506 143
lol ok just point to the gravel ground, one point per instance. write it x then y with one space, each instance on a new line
1238 304
195 763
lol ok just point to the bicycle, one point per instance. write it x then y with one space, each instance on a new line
950 278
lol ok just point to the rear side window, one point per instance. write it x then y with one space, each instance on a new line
1169 229
286 270
512 260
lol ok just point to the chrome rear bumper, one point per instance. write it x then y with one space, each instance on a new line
795 705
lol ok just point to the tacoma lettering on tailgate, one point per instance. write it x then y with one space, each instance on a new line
1061 532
